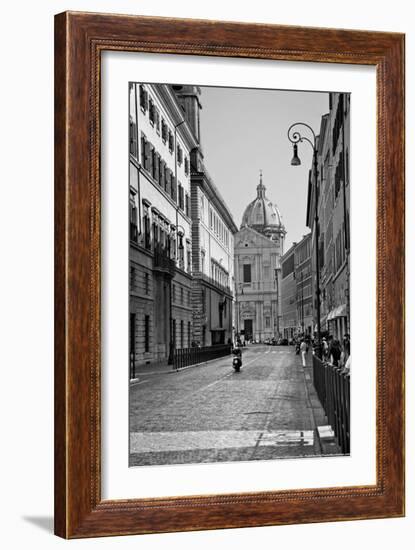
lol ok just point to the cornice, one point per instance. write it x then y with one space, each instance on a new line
167 97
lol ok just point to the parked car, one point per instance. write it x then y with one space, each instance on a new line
283 342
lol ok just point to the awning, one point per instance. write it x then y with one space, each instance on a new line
339 311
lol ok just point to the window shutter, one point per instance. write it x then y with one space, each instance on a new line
187 204
167 184
157 167
143 151
147 148
150 158
173 188
157 120
162 174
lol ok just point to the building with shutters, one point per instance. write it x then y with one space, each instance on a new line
296 290
259 245
333 213
213 230
304 290
160 225
289 320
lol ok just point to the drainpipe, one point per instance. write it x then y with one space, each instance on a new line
346 235
171 352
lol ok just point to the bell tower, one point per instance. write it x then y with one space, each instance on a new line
189 100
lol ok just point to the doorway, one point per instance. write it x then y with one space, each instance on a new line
248 328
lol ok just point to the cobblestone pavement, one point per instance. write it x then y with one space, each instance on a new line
210 413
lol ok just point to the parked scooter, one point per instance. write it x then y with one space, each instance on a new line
237 360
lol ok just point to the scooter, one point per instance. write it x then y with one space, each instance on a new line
237 360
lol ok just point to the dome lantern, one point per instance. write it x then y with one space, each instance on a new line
260 187
262 215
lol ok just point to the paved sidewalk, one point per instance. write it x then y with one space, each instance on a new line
328 444
164 368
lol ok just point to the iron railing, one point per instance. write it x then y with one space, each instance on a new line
162 260
192 356
332 385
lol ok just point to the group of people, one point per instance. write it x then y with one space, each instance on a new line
334 352
337 353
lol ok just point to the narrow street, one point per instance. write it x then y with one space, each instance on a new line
209 413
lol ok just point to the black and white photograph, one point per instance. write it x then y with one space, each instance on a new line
239 274
207 211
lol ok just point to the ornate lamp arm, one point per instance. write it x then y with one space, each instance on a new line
295 136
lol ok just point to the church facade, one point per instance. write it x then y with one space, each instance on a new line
259 245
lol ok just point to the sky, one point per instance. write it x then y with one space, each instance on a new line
245 130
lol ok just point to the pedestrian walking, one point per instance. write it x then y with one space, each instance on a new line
303 349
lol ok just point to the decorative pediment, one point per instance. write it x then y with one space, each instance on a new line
249 238
247 309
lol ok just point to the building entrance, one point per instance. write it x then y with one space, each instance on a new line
218 337
248 329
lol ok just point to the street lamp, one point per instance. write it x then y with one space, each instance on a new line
238 308
296 137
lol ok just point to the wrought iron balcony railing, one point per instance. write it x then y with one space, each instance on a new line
162 260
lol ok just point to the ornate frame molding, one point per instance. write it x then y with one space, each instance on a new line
79 40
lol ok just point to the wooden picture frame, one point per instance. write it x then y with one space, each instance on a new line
79 40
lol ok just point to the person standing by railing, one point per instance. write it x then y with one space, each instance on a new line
325 347
334 353
303 350
345 358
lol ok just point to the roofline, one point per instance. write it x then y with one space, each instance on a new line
296 245
290 251
167 96
205 181
323 127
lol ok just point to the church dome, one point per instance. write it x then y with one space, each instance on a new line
261 214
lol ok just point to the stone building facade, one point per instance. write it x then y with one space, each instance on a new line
160 225
297 297
259 245
213 230
304 290
289 317
334 215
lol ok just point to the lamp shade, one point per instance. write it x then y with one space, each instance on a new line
295 161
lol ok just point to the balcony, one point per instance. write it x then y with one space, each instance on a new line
162 261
